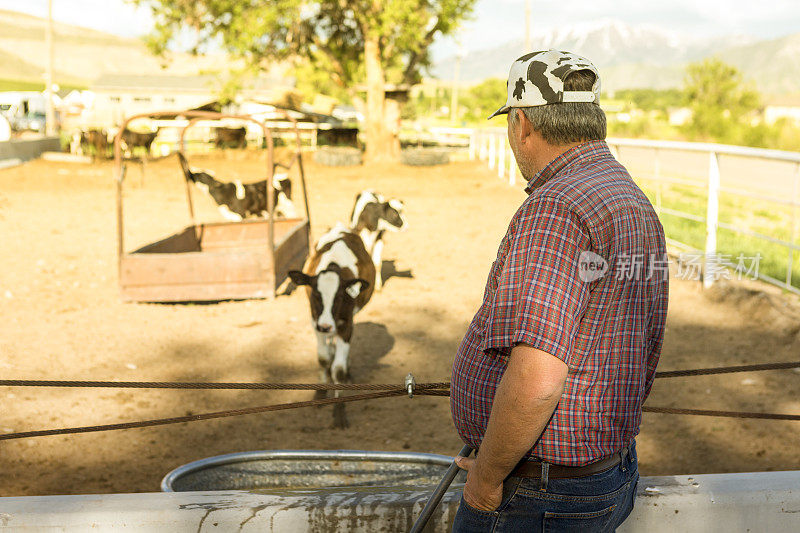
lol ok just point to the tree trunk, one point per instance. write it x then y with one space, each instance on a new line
381 136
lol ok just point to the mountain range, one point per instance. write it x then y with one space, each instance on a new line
627 56
643 56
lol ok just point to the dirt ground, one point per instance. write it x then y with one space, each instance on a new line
62 319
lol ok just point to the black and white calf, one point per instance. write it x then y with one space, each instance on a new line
339 278
238 201
372 216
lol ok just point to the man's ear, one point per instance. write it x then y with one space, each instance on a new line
299 278
355 286
524 127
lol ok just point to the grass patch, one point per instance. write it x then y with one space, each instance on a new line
20 85
761 216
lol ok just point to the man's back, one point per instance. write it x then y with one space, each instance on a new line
584 214
551 375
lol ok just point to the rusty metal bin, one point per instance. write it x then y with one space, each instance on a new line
216 261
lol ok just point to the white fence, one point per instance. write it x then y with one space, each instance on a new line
491 145
756 170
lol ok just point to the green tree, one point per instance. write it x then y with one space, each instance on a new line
377 42
721 103
651 99
483 99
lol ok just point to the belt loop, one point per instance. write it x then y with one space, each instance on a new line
623 456
544 478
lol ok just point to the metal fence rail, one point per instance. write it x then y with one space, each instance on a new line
491 145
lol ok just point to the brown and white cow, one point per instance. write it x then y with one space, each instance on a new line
339 278
372 216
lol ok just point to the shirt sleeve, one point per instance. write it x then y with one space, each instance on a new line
540 297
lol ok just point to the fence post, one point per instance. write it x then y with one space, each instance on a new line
659 185
501 159
492 150
473 141
793 237
512 167
614 151
712 220
484 152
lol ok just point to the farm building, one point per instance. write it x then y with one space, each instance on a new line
782 107
117 96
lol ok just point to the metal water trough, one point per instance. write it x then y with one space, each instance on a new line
338 490
309 469
216 261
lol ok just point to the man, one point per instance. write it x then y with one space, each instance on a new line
549 380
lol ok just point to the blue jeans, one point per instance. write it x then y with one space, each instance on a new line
596 503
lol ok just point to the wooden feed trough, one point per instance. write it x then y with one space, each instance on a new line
213 261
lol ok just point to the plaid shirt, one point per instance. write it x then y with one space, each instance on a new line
608 331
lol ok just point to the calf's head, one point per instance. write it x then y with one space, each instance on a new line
391 217
332 299
281 182
374 213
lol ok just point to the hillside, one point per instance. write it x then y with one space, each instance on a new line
774 65
644 56
82 54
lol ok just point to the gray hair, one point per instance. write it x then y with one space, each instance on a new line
570 122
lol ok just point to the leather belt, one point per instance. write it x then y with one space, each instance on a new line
542 470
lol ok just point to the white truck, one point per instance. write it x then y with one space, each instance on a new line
24 110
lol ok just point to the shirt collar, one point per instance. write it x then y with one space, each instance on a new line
584 151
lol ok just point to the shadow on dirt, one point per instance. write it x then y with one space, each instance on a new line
389 270
422 340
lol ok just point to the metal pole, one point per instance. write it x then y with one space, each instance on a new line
659 185
501 162
793 236
271 206
712 219
50 112
492 150
528 12
438 494
454 91
299 156
473 141
182 144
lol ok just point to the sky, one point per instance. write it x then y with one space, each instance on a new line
498 21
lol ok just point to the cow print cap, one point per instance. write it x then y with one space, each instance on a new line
538 79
